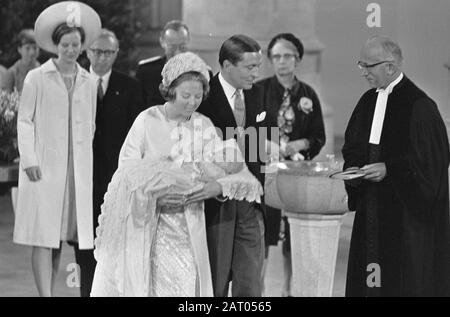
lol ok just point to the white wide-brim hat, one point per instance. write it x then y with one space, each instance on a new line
73 13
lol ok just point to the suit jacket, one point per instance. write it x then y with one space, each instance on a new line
149 74
116 112
217 108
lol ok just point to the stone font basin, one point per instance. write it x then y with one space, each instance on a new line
305 187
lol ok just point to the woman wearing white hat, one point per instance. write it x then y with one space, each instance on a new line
56 124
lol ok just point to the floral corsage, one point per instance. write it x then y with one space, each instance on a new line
306 105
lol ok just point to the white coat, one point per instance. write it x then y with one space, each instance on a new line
43 141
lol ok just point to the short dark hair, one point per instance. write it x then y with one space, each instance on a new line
175 25
64 29
233 48
168 93
287 37
25 36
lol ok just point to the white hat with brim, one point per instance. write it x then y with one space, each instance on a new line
73 13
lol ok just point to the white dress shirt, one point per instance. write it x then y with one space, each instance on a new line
229 91
380 111
105 79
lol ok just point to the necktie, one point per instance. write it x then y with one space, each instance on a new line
100 92
239 108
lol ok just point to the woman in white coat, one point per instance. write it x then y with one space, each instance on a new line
56 124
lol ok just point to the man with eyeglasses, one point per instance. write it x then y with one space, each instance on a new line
396 142
119 100
174 39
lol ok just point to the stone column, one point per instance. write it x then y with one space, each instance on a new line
314 248
213 21
153 15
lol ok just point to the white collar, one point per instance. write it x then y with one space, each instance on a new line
227 87
380 111
391 86
50 66
105 78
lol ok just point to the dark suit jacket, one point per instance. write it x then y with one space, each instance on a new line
217 108
122 102
149 74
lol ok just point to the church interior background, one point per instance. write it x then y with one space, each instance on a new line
333 33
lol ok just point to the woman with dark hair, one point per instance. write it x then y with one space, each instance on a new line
14 77
151 239
29 52
56 124
294 107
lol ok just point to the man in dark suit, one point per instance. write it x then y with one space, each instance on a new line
235 229
174 39
119 101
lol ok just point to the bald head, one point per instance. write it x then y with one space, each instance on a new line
382 48
174 38
380 61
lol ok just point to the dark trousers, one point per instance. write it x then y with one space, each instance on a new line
86 261
236 249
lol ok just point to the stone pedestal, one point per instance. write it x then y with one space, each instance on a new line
314 204
314 248
213 21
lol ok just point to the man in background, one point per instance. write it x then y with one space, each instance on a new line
119 101
174 39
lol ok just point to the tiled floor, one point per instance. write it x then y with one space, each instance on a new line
16 277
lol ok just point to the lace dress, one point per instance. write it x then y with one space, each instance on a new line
142 250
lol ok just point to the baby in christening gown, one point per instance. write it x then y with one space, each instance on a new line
143 250
223 161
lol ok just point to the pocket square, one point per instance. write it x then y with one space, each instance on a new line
261 117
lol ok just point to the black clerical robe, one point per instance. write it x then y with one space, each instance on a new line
402 223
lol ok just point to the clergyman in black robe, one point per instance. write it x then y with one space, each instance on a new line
400 244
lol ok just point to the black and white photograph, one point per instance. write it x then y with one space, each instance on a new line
224 150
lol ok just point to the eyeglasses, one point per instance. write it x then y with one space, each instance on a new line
277 57
365 66
179 47
99 52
